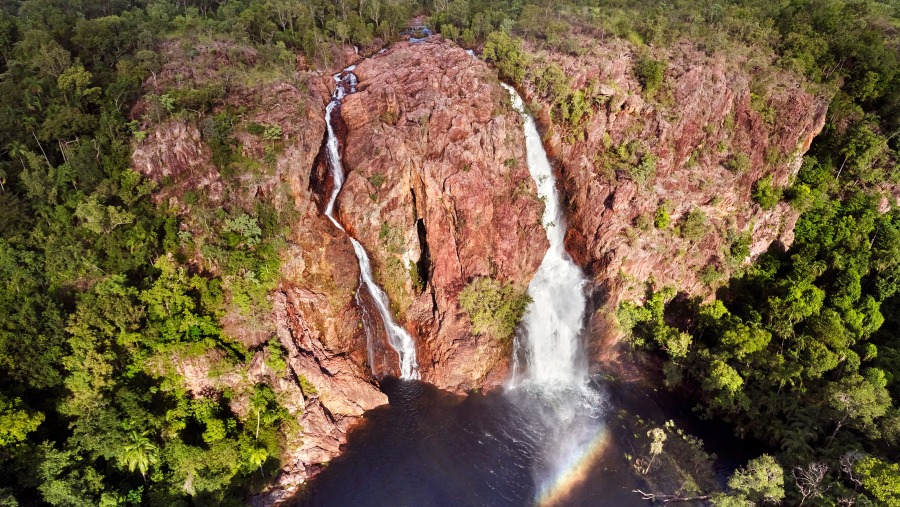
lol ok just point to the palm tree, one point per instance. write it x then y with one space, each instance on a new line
17 149
257 457
139 453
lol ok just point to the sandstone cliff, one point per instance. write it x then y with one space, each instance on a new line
439 192
313 310
717 125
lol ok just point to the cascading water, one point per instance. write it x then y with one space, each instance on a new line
549 338
548 344
541 441
398 338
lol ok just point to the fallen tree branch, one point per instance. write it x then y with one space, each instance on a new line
667 499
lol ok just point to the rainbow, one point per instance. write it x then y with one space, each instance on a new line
574 470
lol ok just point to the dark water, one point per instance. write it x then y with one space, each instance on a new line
432 448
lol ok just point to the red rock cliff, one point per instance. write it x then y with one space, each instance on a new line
436 163
703 118
314 313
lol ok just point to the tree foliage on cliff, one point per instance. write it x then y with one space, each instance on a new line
97 295
494 307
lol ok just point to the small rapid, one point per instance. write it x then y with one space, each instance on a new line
398 338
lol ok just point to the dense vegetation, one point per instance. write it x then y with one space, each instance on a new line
98 291
101 290
494 307
795 351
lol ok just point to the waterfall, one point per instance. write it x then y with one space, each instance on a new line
398 338
554 382
549 336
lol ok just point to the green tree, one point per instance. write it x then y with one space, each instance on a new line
139 453
507 54
16 421
880 478
859 400
657 439
760 482
650 73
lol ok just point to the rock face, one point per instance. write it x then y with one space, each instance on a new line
314 316
703 119
438 191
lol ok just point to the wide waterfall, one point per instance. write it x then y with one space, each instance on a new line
398 338
549 338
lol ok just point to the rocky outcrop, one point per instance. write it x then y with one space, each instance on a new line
438 191
315 317
703 119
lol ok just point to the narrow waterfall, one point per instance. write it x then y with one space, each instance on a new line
398 338
549 339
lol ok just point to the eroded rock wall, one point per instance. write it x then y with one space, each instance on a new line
437 179
702 117
314 315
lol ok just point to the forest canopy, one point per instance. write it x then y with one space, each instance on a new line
97 290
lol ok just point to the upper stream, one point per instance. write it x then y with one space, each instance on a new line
398 338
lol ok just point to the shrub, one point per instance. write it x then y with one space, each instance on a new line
494 307
642 222
309 390
766 194
710 275
256 129
759 104
662 219
274 357
199 100
739 247
450 32
650 73
415 277
631 160
468 38
695 225
507 54
377 180
800 196
738 163
645 171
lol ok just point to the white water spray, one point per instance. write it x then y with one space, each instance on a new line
398 338
549 339
548 342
